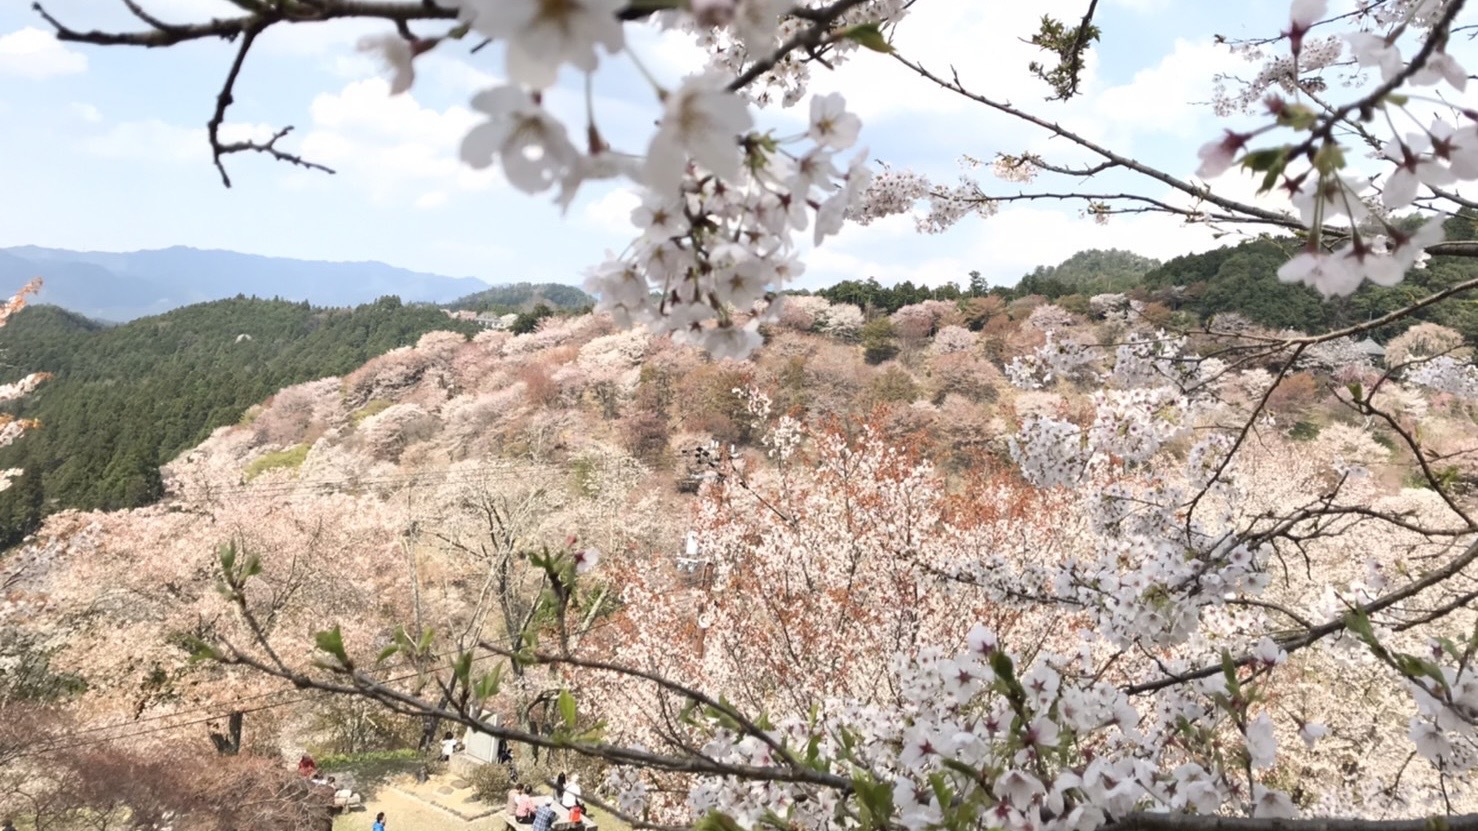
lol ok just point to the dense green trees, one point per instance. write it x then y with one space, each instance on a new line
516 297
126 398
1095 271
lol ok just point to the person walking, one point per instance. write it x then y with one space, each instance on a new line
379 822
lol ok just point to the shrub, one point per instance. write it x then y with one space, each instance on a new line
878 343
491 783
1304 431
893 385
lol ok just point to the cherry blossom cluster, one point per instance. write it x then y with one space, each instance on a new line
1332 201
722 203
1445 727
1057 359
735 32
985 738
1445 373
728 239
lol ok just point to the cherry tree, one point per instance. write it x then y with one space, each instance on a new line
1206 587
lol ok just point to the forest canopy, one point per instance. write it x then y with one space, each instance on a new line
125 399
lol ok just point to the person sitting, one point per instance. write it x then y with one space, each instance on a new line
545 817
524 806
307 767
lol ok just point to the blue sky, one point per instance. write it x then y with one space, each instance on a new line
104 149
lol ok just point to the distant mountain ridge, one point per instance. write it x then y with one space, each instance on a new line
119 287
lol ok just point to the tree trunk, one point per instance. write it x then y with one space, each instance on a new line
229 744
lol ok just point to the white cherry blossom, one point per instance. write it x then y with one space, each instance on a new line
703 120
541 35
532 146
397 54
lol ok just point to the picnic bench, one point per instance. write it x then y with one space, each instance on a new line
559 825
582 825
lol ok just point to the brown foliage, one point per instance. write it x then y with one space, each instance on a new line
707 403
964 374
1293 394
539 386
1155 314
978 311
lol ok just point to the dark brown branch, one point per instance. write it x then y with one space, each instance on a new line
811 38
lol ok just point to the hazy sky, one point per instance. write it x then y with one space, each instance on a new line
104 148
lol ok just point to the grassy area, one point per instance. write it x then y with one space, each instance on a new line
293 458
371 769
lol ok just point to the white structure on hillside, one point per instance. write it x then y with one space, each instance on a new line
479 745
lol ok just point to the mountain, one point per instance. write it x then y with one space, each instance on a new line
1095 271
524 296
125 398
123 286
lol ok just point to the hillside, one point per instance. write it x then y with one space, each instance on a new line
1095 271
126 398
1188 291
516 297
123 286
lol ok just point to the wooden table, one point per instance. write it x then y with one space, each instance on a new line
582 825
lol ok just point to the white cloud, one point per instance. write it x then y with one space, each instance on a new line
431 199
87 112
611 212
982 42
156 141
35 54
394 146
1167 99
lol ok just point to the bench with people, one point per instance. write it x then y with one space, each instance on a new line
564 811
340 795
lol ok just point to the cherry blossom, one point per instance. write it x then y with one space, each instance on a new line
700 119
532 147
398 55
540 36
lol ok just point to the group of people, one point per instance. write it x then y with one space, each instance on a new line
565 806
342 797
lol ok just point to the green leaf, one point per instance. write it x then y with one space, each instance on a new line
1229 669
386 653
488 683
1330 158
1264 159
567 708
463 667
715 821
332 642
200 650
874 802
870 36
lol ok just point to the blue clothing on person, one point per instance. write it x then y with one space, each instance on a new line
544 817
378 826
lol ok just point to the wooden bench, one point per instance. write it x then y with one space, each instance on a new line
583 825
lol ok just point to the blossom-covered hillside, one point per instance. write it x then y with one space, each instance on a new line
862 493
